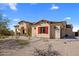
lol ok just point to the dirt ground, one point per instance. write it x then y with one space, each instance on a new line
66 47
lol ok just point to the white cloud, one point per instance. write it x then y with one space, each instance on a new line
15 20
13 6
54 7
68 18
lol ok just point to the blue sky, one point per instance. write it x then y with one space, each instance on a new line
34 12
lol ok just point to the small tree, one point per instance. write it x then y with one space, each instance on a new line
4 30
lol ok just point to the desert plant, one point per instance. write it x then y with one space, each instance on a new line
46 52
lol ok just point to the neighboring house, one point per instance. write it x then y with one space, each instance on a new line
46 29
76 33
23 28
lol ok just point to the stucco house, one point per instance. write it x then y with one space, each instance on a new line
23 28
45 29
76 33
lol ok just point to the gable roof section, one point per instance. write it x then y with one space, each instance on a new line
46 21
24 22
50 22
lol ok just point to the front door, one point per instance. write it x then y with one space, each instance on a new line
57 32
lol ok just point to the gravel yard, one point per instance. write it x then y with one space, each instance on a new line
69 47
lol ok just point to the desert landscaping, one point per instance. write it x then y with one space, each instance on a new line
26 47
27 30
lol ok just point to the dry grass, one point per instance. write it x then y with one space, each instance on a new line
13 44
2 41
22 42
3 37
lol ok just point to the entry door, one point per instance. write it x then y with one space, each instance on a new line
57 32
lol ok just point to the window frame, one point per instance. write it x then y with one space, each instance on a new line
43 30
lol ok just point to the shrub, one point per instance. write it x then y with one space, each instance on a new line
46 52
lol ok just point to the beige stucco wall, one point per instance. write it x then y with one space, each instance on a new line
62 29
16 30
23 25
26 27
51 30
58 32
69 31
35 31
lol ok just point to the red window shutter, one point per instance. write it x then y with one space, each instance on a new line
39 30
46 29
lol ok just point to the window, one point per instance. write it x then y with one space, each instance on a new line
43 29
22 30
34 27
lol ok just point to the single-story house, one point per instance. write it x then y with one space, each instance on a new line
45 29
